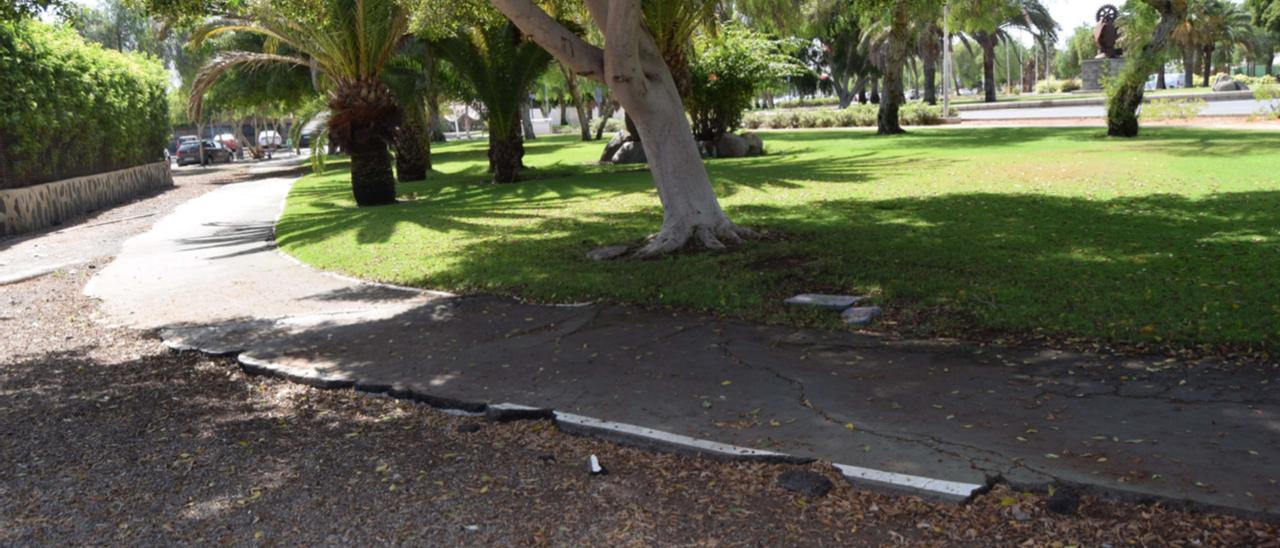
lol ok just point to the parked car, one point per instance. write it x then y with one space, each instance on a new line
189 153
228 140
268 139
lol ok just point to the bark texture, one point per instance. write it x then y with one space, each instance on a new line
637 74
1126 97
988 43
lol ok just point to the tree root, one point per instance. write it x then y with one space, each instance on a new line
675 238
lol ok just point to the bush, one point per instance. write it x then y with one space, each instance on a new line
1050 86
69 108
808 102
728 71
913 114
1269 94
1071 84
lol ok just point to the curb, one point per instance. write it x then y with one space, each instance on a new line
1102 101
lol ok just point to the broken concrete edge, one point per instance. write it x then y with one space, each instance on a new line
666 442
629 435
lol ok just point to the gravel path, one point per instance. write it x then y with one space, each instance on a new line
109 438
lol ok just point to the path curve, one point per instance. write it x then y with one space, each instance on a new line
937 419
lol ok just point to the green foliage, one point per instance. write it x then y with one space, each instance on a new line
911 114
69 108
1266 13
498 65
1269 94
1172 109
1054 85
730 68
1080 46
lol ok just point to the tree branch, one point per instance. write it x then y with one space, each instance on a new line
570 49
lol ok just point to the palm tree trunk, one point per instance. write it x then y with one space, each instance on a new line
1208 64
413 146
989 67
930 79
372 182
506 154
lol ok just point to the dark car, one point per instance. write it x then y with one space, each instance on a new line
189 153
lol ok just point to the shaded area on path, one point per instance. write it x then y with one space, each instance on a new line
1161 428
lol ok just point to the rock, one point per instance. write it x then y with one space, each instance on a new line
1226 83
809 484
593 465
469 428
612 148
731 146
830 302
631 152
755 145
861 315
1065 501
608 252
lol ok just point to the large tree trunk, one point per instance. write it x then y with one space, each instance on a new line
639 77
988 43
875 91
365 114
433 115
1160 83
843 94
1124 101
930 80
526 120
606 112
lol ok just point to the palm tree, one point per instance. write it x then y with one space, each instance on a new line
349 42
1221 23
500 65
409 77
990 27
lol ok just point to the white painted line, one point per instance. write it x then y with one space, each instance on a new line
942 487
666 437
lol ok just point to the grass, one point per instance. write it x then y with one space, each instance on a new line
1172 238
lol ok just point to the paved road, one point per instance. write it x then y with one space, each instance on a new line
1222 108
939 416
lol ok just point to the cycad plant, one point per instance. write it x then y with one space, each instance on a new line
499 65
349 42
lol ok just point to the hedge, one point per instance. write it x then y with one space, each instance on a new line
911 114
70 108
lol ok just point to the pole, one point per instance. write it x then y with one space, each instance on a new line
946 59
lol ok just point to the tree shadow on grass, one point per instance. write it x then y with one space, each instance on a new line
1153 268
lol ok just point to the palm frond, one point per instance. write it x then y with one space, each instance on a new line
225 61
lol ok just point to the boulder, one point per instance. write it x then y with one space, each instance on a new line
860 316
631 152
731 146
1226 83
612 148
755 145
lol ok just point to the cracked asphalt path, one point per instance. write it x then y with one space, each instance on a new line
1203 432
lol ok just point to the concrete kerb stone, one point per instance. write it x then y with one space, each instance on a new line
621 433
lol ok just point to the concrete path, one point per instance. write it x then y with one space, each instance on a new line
1221 108
941 419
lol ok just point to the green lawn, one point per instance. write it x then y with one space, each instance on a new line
1173 237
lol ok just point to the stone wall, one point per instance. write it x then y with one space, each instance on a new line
32 208
1092 71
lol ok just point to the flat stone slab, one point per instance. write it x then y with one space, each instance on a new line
829 302
862 315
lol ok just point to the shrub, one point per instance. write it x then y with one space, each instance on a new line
808 102
914 114
69 108
1172 109
1050 86
1269 94
1070 85
728 71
